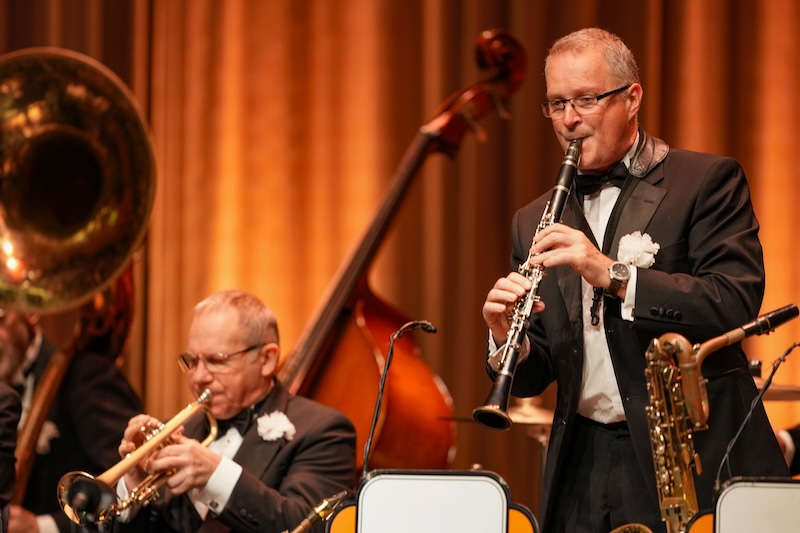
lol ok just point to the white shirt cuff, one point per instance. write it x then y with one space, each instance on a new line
122 495
626 309
492 344
46 524
526 347
220 485
788 445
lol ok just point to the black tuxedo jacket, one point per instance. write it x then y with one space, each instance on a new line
708 278
9 418
90 412
794 468
281 479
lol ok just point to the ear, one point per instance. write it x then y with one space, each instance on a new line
634 99
271 353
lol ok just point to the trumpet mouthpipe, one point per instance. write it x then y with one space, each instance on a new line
113 474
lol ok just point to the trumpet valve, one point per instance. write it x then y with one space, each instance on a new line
147 432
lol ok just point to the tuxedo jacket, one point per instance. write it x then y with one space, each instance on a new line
9 418
90 413
281 480
708 278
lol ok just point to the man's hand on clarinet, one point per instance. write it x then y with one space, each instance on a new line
498 309
562 245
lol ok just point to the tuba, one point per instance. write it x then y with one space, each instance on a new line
77 182
77 178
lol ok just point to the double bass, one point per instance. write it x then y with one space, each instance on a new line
340 355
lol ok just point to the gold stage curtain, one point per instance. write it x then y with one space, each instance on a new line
278 124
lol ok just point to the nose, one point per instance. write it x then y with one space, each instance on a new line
571 116
200 374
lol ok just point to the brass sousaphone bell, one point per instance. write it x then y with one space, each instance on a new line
77 178
77 182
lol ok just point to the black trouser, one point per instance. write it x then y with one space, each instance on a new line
601 486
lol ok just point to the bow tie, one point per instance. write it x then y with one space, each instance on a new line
591 183
241 421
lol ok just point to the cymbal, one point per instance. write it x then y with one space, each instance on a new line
778 392
524 411
528 411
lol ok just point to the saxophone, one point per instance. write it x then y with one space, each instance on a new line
678 406
670 427
494 412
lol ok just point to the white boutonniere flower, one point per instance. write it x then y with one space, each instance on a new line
637 249
274 426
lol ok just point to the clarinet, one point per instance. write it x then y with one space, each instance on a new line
503 361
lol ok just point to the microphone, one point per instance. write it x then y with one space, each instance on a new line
763 324
425 326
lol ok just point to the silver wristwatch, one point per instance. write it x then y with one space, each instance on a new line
619 273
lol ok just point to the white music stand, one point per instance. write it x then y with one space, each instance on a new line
432 501
748 505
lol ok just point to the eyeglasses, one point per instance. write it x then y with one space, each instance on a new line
584 102
216 363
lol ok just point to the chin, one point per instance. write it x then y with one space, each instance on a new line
221 412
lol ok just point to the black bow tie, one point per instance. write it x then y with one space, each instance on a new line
241 421
591 183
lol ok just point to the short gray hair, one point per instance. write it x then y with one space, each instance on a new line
619 58
257 320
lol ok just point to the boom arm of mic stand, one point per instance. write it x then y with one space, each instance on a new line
417 324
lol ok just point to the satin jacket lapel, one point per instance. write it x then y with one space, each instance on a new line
255 454
569 281
640 208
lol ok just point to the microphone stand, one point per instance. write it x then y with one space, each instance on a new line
726 458
408 326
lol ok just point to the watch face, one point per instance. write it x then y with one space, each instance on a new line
620 271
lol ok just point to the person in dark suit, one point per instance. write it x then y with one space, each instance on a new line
276 455
87 419
789 440
652 240
10 408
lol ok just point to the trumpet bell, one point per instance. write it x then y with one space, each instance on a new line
77 178
84 499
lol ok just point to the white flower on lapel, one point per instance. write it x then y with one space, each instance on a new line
274 426
637 249
48 432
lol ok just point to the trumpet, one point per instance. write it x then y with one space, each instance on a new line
494 412
86 499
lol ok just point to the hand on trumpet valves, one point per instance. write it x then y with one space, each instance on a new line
139 429
562 245
498 309
190 464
